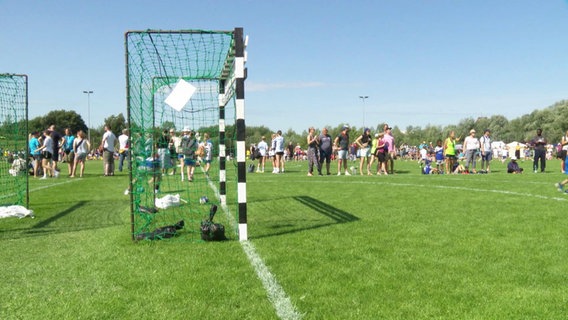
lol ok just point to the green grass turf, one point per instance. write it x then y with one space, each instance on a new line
407 246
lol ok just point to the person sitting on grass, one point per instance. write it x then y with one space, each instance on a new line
513 166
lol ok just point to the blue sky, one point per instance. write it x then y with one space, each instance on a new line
420 62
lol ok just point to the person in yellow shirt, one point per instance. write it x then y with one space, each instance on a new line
450 151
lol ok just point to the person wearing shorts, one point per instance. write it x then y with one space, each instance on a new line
439 151
68 149
486 152
341 143
563 152
450 151
364 144
262 150
108 142
34 146
381 153
326 149
81 147
278 147
390 145
189 147
208 152
46 155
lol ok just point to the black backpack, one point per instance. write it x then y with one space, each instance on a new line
212 231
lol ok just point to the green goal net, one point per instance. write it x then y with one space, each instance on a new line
186 119
14 140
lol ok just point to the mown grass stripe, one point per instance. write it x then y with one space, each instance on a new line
276 294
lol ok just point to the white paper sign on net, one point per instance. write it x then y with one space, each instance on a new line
180 95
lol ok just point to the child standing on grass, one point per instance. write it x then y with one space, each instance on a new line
439 151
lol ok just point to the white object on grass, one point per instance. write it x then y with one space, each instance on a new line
16 211
168 201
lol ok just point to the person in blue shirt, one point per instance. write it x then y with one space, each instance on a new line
34 146
513 166
68 149
439 151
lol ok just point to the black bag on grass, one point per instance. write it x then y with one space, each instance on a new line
162 232
212 231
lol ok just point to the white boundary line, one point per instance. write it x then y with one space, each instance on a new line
37 189
52 185
507 192
281 302
276 295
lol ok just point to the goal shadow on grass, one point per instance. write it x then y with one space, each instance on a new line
297 219
77 216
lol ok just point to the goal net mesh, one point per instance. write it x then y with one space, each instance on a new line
13 140
174 81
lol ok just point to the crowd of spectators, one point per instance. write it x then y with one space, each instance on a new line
375 153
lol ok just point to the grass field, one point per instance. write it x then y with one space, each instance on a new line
407 246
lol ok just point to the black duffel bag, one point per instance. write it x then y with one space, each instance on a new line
212 231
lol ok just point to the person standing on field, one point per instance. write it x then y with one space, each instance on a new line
189 147
262 150
450 151
325 149
123 149
164 152
81 148
173 145
34 146
389 142
364 144
539 145
341 143
107 144
563 152
486 153
313 142
208 152
57 142
278 147
68 149
46 155
470 145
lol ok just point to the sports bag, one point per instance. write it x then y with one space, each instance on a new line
212 231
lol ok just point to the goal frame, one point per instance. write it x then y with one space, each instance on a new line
231 85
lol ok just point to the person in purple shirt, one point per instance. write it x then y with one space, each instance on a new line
389 139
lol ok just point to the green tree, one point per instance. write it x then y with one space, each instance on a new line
116 123
61 119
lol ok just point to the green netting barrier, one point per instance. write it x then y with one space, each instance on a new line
14 172
158 64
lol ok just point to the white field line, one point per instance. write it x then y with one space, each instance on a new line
387 183
276 295
39 188
52 185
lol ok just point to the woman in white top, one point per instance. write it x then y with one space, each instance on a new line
46 154
81 147
471 146
262 150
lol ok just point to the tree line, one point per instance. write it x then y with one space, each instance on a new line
553 120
